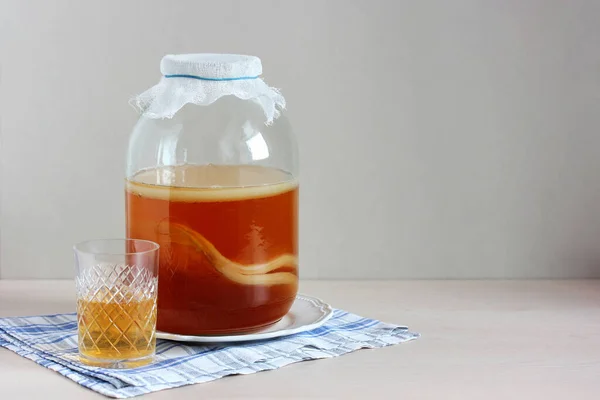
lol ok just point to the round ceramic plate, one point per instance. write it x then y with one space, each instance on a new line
307 313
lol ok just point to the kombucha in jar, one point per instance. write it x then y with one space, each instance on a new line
212 177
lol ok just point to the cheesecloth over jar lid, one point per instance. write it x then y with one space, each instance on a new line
202 79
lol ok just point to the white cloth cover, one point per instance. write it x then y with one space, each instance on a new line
202 79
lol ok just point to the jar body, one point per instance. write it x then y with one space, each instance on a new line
217 189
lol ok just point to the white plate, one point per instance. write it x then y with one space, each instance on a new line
307 313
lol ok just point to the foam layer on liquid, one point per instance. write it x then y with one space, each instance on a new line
210 182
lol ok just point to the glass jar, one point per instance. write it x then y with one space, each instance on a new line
212 177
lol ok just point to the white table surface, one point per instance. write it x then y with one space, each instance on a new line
480 340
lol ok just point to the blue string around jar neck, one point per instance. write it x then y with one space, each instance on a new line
202 78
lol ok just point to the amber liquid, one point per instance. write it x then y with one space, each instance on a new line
228 237
116 330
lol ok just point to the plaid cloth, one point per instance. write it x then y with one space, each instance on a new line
51 341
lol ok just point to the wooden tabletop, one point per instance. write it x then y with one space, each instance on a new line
480 340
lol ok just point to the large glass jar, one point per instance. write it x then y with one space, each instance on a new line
212 177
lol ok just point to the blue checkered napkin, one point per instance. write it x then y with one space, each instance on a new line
51 341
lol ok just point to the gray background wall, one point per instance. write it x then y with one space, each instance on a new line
438 139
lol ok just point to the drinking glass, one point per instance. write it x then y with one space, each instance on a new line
116 287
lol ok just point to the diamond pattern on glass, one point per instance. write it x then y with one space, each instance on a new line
116 311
